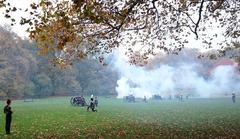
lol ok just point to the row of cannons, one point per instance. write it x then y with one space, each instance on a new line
80 100
131 98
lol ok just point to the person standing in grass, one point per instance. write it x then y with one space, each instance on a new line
233 97
91 105
8 112
96 101
145 99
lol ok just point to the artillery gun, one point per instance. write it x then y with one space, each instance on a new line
78 101
129 98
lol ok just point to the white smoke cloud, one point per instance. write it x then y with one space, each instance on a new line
173 79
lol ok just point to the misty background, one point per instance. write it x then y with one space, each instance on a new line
24 74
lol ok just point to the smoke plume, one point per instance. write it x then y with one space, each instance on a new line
171 75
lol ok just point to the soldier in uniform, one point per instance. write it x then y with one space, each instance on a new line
83 101
96 101
8 112
145 99
181 97
233 97
91 105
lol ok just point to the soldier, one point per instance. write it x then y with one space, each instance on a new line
8 112
181 97
233 97
83 101
92 105
96 101
145 99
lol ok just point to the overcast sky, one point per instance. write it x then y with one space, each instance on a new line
23 4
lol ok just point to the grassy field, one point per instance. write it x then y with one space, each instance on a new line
193 118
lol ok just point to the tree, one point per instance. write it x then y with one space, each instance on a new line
29 89
95 78
16 66
23 73
43 85
70 30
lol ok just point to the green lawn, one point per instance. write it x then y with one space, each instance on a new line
193 118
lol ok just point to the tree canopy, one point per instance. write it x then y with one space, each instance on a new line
67 30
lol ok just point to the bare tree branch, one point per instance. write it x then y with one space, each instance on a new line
199 18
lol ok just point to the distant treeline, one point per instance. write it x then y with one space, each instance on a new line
25 74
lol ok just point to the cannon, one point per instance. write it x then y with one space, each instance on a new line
157 97
129 98
78 101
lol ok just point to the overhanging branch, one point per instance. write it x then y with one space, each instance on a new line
199 18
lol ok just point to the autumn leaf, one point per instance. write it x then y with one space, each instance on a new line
14 9
7 16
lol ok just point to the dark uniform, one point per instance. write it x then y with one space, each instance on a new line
83 101
8 112
233 97
145 99
181 97
92 105
96 101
